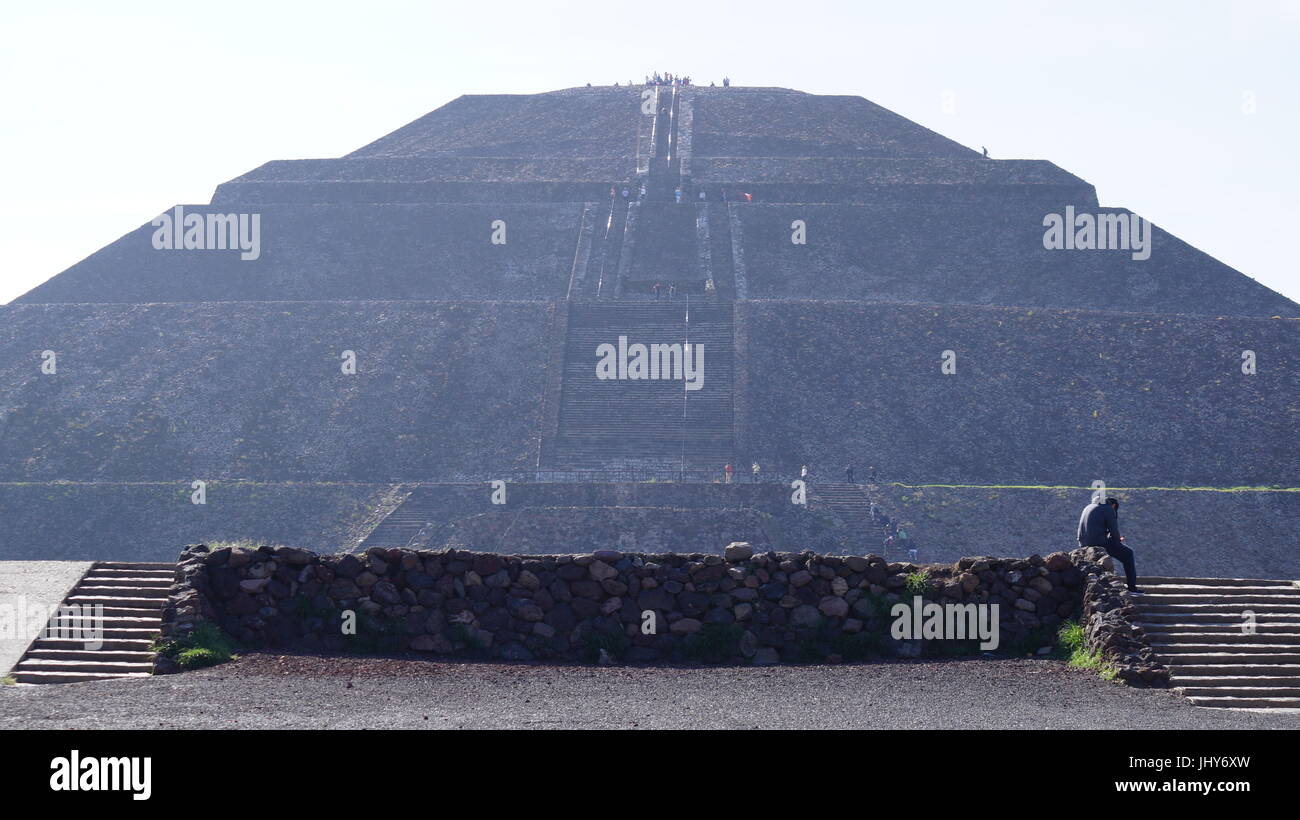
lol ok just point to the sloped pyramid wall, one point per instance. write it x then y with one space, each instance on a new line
1072 365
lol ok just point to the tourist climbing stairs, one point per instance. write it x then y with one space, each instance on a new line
852 504
72 648
1228 642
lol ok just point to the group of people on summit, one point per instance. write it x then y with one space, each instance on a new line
668 78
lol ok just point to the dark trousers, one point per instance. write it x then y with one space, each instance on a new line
1125 555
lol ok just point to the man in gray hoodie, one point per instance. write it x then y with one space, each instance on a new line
1099 527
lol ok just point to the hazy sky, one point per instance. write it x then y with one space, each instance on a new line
112 112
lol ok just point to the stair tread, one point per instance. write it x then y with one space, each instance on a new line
34 676
37 664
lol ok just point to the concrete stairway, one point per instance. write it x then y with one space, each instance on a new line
851 503
607 250
720 251
666 251
652 423
1195 626
404 523
132 596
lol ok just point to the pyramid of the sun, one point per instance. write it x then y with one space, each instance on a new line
828 255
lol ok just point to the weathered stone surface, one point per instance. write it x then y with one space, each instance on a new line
685 626
738 551
833 607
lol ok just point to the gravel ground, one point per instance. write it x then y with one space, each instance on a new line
263 691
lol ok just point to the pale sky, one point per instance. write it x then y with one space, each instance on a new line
111 113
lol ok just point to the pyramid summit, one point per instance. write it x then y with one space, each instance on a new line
895 212
425 314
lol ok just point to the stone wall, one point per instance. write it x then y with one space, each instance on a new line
1109 627
742 606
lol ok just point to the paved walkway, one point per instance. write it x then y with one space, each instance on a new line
27 586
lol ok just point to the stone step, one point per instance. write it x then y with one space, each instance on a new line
1226 591
1210 654
1237 681
151 575
123 593
1236 599
1219 582
1225 637
132 565
44 665
1248 703
1284 622
129 581
115 601
91 656
130 634
42 676
1241 691
1167 609
1232 669
133 644
1184 647
123 619
1178 625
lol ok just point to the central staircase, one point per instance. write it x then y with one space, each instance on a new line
1199 628
646 424
852 503
132 596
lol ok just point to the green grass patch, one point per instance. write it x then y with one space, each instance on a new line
1084 658
1070 637
918 582
1071 644
207 645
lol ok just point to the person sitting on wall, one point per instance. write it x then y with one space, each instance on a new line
1099 527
